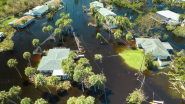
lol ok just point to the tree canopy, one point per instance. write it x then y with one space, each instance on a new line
81 100
180 31
7 45
137 97
149 60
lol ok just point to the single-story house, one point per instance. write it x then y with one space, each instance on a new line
1 36
40 11
96 4
160 50
168 17
52 62
29 19
37 11
52 2
106 12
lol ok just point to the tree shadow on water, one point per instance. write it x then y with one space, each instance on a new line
53 99
102 97
26 83
63 93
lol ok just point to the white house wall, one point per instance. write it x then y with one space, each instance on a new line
27 23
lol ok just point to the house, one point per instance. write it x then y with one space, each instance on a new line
29 20
160 50
40 11
168 17
1 36
52 62
52 2
106 12
97 5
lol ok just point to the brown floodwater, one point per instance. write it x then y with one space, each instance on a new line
120 77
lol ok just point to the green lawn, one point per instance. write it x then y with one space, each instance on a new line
6 21
133 58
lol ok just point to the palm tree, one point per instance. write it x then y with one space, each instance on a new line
29 71
129 36
41 80
12 63
72 54
97 80
84 62
4 96
14 92
117 34
54 80
81 99
26 101
16 25
66 85
98 57
36 43
98 36
90 100
48 29
41 101
27 56
62 14
79 75
68 66
58 32
71 100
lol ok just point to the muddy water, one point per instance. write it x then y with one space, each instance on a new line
120 78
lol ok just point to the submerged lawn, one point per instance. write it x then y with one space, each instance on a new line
133 58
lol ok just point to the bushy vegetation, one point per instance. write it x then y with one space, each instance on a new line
179 31
135 6
12 7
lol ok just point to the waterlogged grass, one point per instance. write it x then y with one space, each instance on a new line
133 58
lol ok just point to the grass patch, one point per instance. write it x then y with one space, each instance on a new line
7 20
133 58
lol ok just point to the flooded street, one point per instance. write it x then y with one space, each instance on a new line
120 77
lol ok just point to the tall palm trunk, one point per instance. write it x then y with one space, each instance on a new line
95 88
104 39
18 71
12 101
82 86
56 87
48 89
29 62
19 98
62 39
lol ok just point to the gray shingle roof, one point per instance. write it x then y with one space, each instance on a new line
106 12
42 9
167 45
96 4
53 60
153 45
